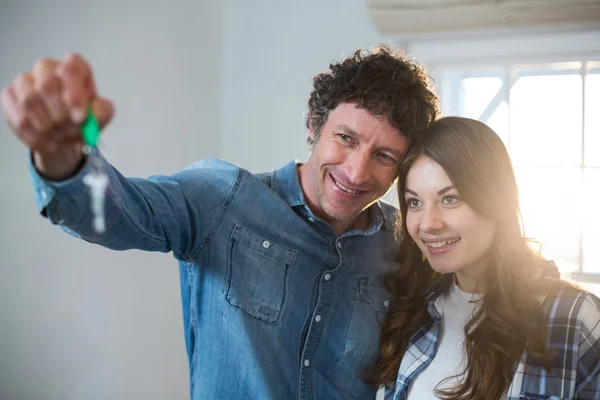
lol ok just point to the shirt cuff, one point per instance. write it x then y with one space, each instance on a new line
45 189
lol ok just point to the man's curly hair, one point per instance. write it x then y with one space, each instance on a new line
380 80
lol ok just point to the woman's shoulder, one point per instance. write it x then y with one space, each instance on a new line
575 307
568 291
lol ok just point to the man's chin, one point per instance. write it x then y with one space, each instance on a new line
343 215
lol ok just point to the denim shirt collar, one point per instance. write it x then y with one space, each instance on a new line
286 184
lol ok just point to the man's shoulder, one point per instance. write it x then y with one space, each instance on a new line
223 174
219 165
390 213
212 163
209 173
388 208
266 178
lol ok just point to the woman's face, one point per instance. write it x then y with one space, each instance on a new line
448 232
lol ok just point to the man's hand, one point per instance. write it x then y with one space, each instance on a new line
46 107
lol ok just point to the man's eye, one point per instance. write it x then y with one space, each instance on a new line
387 158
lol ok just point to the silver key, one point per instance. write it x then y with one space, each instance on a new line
97 180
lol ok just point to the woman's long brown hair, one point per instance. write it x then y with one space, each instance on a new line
510 318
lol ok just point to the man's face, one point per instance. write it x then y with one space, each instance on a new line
353 163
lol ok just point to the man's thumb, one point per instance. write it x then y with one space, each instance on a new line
103 110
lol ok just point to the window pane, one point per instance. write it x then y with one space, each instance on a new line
545 120
591 220
478 93
499 122
592 120
549 199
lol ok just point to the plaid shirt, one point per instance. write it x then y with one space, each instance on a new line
573 333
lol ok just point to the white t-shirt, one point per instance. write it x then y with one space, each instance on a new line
456 308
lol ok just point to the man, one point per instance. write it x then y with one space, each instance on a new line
280 272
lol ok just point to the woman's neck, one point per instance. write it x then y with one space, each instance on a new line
469 283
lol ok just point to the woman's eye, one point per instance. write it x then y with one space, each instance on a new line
450 200
413 203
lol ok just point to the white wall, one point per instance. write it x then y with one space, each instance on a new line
76 321
271 51
190 79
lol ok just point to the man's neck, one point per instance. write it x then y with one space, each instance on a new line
340 227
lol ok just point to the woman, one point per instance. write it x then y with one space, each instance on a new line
477 314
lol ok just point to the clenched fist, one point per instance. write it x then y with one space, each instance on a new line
46 107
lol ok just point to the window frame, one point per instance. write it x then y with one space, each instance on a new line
448 62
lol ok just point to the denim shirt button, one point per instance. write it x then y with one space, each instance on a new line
339 245
306 363
327 277
266 244
318 318
386 303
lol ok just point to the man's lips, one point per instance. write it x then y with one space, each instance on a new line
347 188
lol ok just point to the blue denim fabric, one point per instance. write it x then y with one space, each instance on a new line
275 306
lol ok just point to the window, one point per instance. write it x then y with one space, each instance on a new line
548 115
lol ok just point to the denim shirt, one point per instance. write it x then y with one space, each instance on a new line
275 305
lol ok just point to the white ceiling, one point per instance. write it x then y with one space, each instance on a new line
417 17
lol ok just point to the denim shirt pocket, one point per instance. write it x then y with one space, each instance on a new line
371 304
257 274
